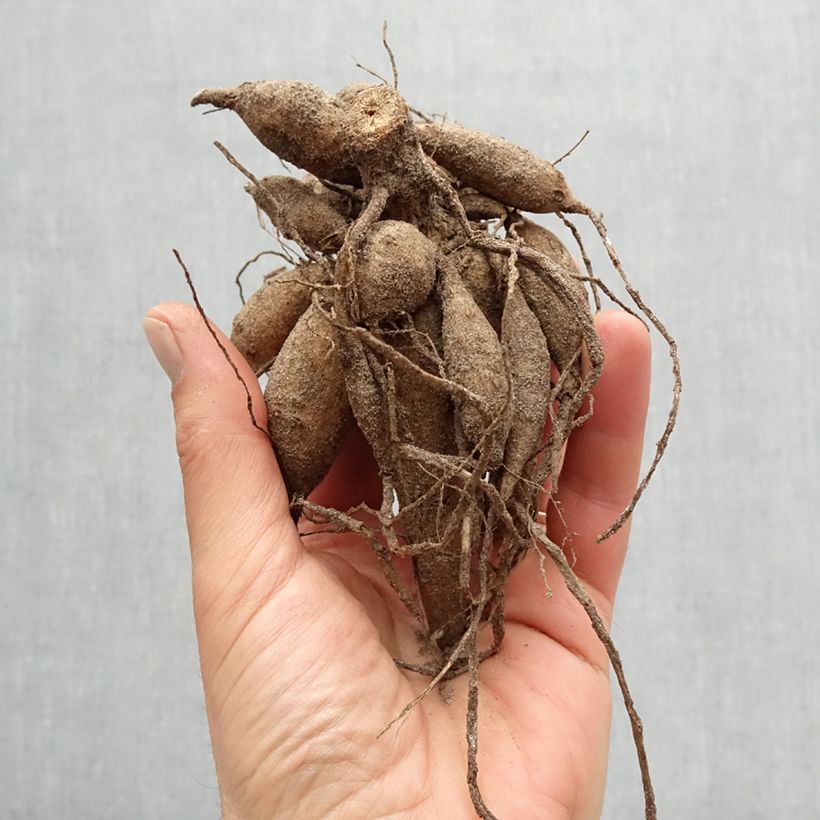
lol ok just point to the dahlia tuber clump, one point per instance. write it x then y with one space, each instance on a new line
454 331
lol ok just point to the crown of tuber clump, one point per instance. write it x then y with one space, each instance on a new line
449 328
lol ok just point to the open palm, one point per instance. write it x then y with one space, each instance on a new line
298 636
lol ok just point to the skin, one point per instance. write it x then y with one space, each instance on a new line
297 636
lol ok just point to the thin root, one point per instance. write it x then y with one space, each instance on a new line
672 416
582 596
238 278
567 153
392 57
221 346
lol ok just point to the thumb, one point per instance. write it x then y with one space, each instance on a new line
241 533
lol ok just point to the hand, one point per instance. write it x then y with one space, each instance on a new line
297 639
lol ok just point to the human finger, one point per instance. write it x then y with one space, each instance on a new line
235 500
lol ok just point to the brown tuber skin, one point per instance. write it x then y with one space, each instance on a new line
500 169
300 213
265 321
480 207
479 272
396 271
544 240
426 419
340 200
308 416
298 121
473 357
558 320
529 360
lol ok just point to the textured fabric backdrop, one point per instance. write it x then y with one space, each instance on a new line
703 156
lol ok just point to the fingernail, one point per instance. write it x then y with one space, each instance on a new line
165 347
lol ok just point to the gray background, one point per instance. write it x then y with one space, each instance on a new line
703 156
